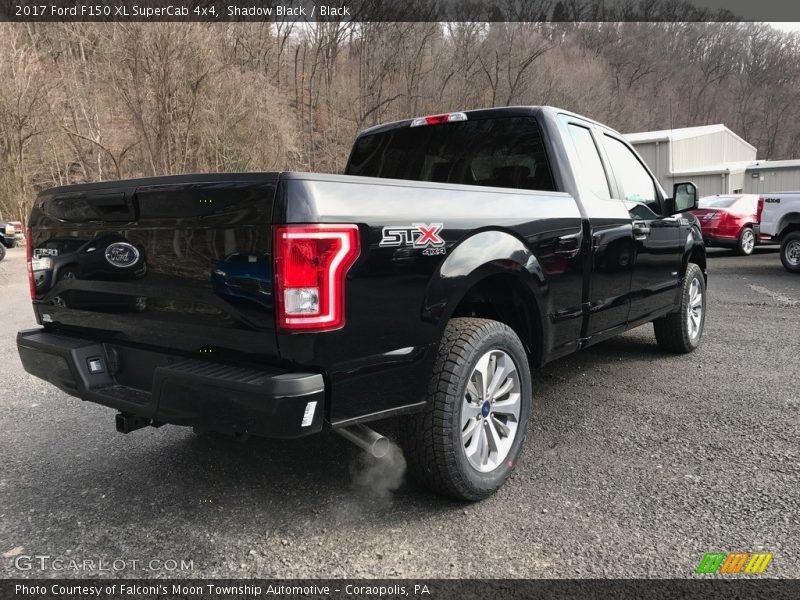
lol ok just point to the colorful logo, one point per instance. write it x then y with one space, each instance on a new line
418 235
734 563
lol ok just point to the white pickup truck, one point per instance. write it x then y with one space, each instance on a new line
780 218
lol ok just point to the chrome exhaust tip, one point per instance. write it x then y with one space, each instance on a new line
367 439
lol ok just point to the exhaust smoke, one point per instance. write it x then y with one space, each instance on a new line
379 477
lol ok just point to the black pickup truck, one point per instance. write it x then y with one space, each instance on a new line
457 252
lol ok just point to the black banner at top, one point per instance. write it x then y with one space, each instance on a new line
397 10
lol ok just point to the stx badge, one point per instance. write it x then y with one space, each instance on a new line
417 235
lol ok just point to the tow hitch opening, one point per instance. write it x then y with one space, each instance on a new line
127 423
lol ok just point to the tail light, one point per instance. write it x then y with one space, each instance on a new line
311 263
759 209
29 261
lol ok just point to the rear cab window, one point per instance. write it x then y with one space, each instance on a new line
592 173
501 152
716 202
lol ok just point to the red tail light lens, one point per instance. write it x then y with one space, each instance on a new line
311 263
760 208
29 261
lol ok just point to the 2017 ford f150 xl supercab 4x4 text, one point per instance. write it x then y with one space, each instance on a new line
457 252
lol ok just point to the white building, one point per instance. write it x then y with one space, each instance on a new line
712 156
772 176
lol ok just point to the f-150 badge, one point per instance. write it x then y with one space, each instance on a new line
417 235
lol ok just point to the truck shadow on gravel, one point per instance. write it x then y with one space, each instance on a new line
325 474
287 485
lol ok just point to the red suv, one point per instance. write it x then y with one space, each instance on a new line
729 221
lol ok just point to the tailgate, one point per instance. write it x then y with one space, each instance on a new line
181 262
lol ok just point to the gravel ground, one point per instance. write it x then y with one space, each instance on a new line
636 464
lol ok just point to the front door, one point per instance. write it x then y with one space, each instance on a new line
657 243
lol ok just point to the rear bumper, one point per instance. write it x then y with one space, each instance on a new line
167 388
714 239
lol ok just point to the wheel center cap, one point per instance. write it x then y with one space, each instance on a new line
486 408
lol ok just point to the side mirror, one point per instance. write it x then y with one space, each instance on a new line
684 197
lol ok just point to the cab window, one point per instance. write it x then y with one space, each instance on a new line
636 183
592 173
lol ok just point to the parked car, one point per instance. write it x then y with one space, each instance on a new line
19 232
780 219
60 260
244 279
54 260
729 221
456 252
7 237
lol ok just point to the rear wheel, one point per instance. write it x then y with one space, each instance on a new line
790 252
681 331
746 242
466 442
2 251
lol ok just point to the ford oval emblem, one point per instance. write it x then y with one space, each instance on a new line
122 255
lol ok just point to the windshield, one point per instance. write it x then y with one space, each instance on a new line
717 201
502 152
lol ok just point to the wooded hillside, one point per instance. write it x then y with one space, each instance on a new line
86 102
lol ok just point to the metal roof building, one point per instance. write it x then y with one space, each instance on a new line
712 156
772 176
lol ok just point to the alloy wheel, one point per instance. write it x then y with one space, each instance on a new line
694 313
490 410
748 241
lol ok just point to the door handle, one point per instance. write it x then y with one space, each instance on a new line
568 245
640 230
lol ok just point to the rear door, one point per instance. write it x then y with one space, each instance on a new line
611 255
658 249
177 262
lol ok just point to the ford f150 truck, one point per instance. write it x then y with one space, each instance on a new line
457 252
779 218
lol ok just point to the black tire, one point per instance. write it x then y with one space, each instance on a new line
2 251
432 439
673 330
790 247
746 242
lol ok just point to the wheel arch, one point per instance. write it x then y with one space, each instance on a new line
695 252
491 275
789 222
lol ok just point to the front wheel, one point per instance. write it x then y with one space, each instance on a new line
2 251
681 330
790 252
466 442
